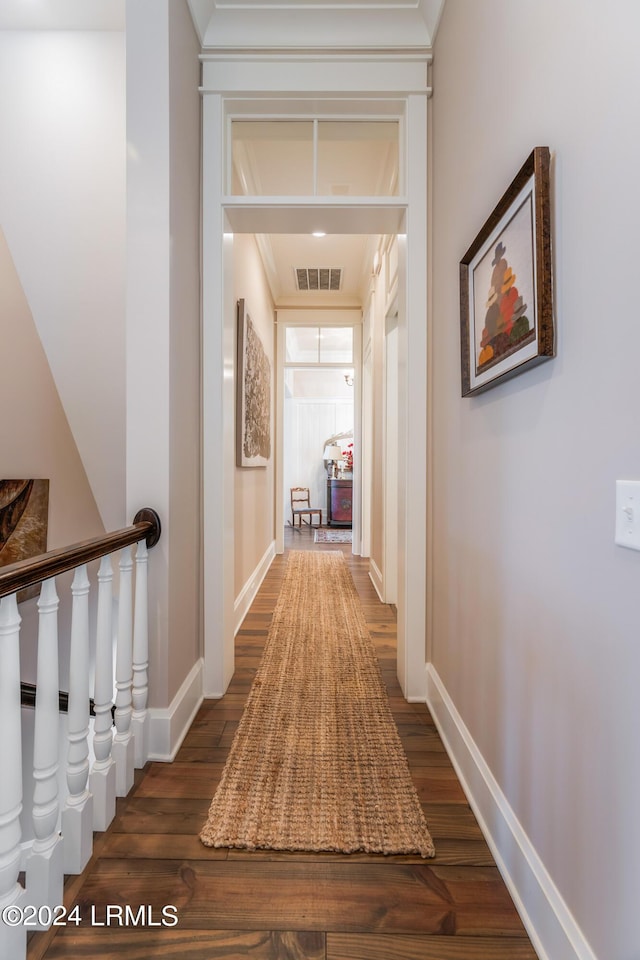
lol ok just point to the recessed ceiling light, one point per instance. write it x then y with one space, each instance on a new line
319 233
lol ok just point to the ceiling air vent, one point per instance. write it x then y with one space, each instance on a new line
318 278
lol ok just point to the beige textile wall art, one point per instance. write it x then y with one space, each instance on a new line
253 399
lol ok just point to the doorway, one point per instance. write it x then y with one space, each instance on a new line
340 214
318 412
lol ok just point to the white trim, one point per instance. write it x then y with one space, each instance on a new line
375 575
412 404
384 77
218 406
169 726
390 429
259 84
25 852
248 593
279 445
550 924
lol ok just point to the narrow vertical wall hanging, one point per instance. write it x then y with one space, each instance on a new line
253 396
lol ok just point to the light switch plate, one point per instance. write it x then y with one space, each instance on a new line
628 513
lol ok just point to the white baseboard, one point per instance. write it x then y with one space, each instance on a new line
549 922
248 593
168 727
375 576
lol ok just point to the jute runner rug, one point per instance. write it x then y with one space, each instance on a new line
317 763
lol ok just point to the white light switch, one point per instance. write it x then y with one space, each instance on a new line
628 513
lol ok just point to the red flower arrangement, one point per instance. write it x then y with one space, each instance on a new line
348 457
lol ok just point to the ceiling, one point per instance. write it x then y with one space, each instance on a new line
284 254
62 14
351 233
253 23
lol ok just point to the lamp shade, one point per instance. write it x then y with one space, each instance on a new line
332 452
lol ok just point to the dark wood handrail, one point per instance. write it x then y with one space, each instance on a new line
28 699
26 573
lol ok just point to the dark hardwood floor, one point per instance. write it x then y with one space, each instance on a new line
288 906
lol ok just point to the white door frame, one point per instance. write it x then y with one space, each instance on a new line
375 85
391 459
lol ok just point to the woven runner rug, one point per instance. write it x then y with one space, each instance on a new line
317 763
332 536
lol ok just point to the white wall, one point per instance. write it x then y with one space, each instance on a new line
163 323
308 424
185 418
62 207
535 610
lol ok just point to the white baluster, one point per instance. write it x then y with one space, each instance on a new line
45 867
103 775
123 742
13 940
140 657
77 816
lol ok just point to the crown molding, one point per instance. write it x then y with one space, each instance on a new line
336 54
361 24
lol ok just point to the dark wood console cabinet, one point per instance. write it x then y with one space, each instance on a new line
339 493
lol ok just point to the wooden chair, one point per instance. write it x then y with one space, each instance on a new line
301 507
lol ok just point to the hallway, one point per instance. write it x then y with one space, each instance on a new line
269 905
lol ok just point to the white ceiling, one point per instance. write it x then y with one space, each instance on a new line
62 14
289 251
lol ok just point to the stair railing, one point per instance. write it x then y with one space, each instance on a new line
63 831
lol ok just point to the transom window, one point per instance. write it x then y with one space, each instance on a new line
328 158
319 345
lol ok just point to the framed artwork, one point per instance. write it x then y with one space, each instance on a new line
24 515
506 301
253 397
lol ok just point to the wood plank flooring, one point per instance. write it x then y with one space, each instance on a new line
289 906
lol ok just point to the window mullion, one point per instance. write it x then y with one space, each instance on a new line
315 163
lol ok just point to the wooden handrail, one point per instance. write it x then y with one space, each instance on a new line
26 573
28 699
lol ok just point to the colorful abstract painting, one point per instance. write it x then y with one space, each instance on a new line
506 304
504 292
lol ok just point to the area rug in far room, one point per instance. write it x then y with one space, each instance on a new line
332 536
317 763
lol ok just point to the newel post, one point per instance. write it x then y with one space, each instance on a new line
140 691
140 658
